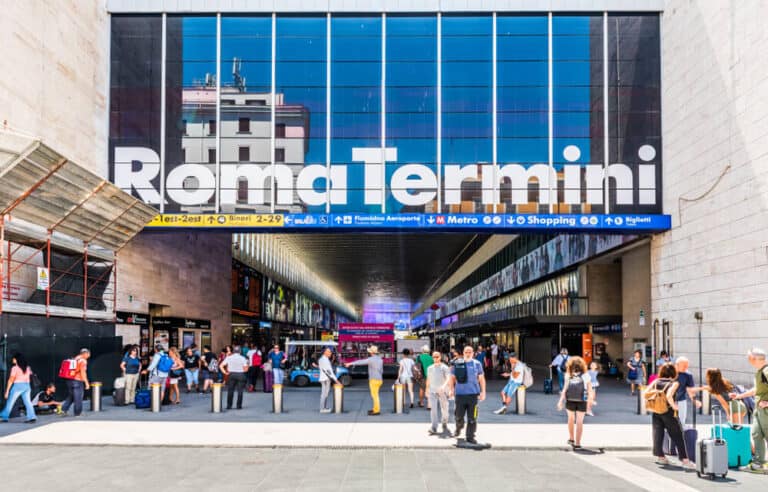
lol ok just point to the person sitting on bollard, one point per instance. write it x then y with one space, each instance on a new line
45 402
326 376
515 375
438 389
375 376
235 367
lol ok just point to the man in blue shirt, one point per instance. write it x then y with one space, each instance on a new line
468 382
276 356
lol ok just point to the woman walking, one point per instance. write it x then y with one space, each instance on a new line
636 375
405 372
18 386
668 421
175 375
575 397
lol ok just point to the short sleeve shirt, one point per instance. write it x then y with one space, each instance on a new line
132 364
685 381
276 359
235 363
472 386
407 367
19 376
191 362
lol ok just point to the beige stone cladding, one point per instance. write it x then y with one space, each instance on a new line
715 132
189 272
54 75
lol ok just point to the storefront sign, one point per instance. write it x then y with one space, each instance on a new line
126 318
193 324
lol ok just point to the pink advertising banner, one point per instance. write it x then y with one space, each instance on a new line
355 338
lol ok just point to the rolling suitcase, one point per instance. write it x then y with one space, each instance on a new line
548 383
118 397
143 398
712 454
739 445
268 380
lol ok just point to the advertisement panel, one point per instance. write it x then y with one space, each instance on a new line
355 338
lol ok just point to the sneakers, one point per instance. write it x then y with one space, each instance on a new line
371 413
688 465
755 467
590 413
325 410
501 411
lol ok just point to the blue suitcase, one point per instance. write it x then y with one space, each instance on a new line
143 399
739 444
548 383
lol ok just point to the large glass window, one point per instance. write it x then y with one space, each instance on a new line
411 119
467 100
634 117
522 104
190 121
356 109
577 69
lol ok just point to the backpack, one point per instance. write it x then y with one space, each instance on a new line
527 377
576 389
460 371
256 359
68 369
656 399
165 364
418 370
213 365
563 363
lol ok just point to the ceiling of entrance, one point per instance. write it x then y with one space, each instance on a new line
383 266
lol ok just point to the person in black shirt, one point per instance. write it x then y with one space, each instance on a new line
205 373
685 393
667 421
45 401
191 369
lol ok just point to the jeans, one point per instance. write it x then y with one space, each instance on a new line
466 404
22 390
131 380
278 376
191 377
669 422
374 385
760 433
235 382
560 378
438 400
325 390
75 393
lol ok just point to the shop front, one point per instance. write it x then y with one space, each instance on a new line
180 332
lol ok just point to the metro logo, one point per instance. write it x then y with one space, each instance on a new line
411 184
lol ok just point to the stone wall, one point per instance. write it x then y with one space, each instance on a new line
54 66
715 109
188 273
635 297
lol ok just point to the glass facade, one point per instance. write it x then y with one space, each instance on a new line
459 113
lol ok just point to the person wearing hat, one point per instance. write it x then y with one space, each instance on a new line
515 375
375 375
425 361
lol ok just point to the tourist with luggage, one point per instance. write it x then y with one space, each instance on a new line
327 375
78 384
438 388
191 370
375 376
235 367
757 359
131 368
159 368
575 398
660 402
558 363
636 376
515 374
405 373
19 386
468 383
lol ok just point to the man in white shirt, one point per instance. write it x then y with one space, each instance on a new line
438 388
327 375
235 365
515 375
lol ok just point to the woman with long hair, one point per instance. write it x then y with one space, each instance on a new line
668 421
19 386
576 395
719 387
175 375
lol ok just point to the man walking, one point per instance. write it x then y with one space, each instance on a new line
438 388
559 364
326 376
375 375
468 382
757 359
235 366
425 361
77 387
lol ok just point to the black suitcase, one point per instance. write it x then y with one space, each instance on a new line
118 396
548 383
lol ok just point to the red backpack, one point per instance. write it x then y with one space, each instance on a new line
68 369
256 359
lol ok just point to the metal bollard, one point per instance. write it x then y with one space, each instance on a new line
706 403
155 388
399 401
216 397
96 397
521 400
338 398
277 398
641 410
